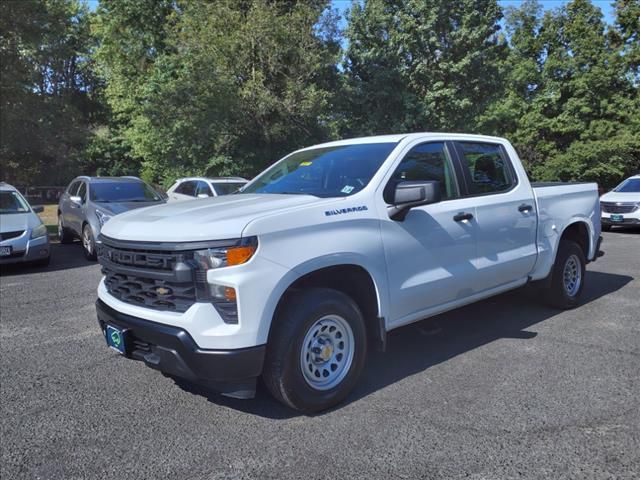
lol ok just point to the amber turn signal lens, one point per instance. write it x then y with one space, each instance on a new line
230 294
240 255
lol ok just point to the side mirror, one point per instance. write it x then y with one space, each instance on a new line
203 195
37 209
408 195
76 200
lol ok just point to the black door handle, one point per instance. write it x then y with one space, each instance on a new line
462 216
525 208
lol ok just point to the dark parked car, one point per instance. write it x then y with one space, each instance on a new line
89 202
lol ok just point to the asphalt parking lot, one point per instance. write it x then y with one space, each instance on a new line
506 388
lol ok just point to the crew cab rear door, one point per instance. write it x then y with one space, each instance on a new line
429 254
506 217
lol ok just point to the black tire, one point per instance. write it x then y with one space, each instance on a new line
64 235
88 243
606 228
558 294
283 373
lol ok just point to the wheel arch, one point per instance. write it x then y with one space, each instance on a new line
350 278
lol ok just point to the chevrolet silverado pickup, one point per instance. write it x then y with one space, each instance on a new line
310 265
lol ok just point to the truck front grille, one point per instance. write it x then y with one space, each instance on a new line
149 292
157 279
619 207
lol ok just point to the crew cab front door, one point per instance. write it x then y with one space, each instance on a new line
429 254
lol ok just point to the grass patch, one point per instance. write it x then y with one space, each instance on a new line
50 218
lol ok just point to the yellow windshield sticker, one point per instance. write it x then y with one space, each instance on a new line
305 164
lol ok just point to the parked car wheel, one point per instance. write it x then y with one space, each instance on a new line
64 234
88 243
567 276
317 350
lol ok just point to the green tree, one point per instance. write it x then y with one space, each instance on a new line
422 65
569 104
218 87
48 90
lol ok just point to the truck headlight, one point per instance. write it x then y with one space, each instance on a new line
102 217
218 257
223 298
39 231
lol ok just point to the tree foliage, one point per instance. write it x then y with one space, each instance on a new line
166 88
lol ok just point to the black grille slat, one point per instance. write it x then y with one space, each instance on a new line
615 208
9 235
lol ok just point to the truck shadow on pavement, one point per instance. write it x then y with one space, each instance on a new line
419 346
63 257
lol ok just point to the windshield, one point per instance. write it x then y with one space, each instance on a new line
12 202
227 188
123 192
630 185
324 172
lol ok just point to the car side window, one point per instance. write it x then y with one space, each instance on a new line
82 192
489 171
73 188
425 162
203 189
187 188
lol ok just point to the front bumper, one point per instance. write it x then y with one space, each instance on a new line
173 351
26 250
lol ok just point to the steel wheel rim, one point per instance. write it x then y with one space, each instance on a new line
572 275
327 352
86 239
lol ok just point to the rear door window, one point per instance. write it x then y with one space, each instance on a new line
488 168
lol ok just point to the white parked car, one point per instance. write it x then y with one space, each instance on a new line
200 187
23 236
316 259
621 206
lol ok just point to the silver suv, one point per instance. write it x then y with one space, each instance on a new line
89 202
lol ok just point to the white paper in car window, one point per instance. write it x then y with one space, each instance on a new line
347 189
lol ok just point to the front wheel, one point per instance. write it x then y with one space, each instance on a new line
88 243
316 350
567 276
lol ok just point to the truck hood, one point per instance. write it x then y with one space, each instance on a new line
13 222
620 197
216 218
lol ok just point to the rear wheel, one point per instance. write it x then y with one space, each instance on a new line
88 243
567 276
316 350
64 235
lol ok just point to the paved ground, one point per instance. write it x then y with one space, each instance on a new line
502 389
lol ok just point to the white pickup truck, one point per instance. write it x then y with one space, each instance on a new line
295 277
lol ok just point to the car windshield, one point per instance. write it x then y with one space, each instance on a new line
123 192
631 185
227 188
12 202
324 172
